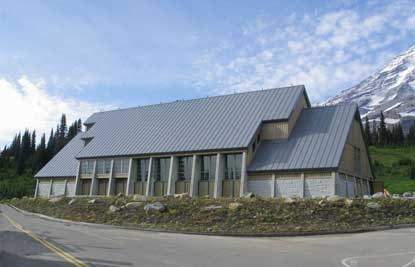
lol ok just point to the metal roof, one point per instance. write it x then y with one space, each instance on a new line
64 164
317 141
212 123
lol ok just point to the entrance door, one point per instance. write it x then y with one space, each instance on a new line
231 188
120 185
85 187
102 187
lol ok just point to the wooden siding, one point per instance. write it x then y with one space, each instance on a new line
297 111
347 164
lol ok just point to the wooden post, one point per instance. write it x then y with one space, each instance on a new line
149 187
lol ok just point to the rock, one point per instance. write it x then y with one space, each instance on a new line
249 195
373 205
322 203
55 199
72 201
213 207
141 198
93 201
334 198
367 197
289 200
348 202
378 195
407 194
184 195
234 205
119 195
113 208
135 204
155 206
396 196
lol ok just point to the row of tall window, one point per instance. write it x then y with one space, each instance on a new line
121 166
161 167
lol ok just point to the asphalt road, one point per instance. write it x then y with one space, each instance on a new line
107 246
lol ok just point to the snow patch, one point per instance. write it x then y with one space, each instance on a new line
392 121
407 114
392 107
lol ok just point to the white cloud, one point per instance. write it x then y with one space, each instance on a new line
327 52
26 104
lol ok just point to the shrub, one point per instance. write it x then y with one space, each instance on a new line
405 162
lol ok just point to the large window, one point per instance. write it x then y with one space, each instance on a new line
208 167
161 169
121 166
184 168
87 167
233 166
142 169
103 166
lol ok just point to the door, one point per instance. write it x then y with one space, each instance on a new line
120 185
85 187
182 187
140 188
102 187
231 188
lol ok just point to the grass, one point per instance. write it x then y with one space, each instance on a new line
392 167
256 215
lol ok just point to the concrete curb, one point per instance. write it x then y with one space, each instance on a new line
287 234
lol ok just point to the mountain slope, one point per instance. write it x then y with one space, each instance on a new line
391 90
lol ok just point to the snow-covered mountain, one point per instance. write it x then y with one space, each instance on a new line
392 90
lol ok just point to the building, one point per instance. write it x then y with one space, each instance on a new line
269 142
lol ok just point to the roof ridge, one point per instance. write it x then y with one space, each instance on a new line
202 98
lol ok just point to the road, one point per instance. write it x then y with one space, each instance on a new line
108 246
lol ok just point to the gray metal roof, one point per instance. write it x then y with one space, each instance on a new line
212 123
317 141
64 164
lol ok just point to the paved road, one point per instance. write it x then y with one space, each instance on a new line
107 246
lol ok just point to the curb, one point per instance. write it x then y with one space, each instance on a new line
155 230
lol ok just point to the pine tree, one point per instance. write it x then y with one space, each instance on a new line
50 148
79 126
41 154
383 131
33 144
410 138
374 134
368 134
400 136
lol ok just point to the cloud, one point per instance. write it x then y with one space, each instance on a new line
327 52
26 104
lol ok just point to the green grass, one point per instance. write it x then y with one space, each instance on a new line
392 168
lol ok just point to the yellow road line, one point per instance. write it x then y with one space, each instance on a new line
68 257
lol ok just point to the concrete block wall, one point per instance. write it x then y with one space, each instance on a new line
319 187
289 187
261 188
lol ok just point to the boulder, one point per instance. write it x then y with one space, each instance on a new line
234 205
72 201
407 194
396 196
348 202
134 204
93 201
373 205
378 195
184 195
141 198
113 209
334 198
119 195
289 200
55 199
213 207
249 195
322 203
367 197
155 206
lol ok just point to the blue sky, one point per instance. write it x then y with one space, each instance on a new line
79 57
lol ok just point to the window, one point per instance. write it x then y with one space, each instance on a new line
121 166
87 167
233 166
161 169
208 167
142 169
357 159
103 166
184 168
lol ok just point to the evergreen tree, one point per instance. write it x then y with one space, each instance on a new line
33 144
412 171
383 131
410 138
50 148
79 126
42 154
368 134
374 134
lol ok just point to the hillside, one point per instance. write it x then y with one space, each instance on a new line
392 167
391 90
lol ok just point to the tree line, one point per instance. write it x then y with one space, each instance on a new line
378 134
25 156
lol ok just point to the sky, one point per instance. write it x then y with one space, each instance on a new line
78 57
